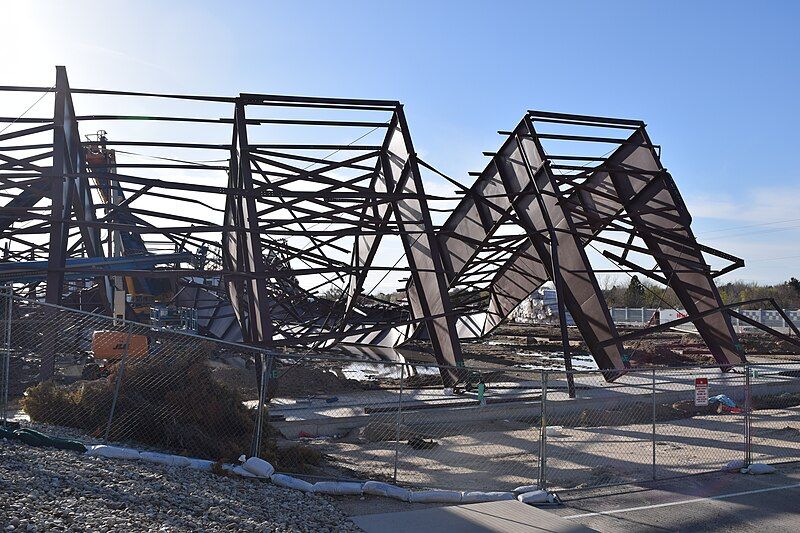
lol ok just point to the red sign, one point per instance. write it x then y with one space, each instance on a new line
701 391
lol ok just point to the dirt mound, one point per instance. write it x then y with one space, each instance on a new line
301 381
242 380
648 353
761 344
169 403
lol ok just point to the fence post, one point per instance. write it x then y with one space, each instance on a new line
747 407
654 423
266 371
118 384
398 422
543 436
6 362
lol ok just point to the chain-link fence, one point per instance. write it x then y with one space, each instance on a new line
86 375
338 418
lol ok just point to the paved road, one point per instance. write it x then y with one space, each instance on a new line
491 517
728 502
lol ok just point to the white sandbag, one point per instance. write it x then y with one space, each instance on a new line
200 464
535 496
337 487
736 464
239 471
290 482
259 467
378 488
759 468
478 497
525 488
553 431
165 459
435 496
113 452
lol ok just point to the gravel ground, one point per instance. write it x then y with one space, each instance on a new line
44 489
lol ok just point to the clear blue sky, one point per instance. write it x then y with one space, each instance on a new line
717 82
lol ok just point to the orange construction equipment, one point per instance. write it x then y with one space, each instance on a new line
112 345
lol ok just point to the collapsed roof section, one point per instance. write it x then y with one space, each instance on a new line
286 213
591 188
279 209
341 208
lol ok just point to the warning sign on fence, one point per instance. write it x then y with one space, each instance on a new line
701 391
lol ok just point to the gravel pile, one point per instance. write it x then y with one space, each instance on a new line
51 490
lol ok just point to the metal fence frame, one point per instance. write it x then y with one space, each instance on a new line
537 399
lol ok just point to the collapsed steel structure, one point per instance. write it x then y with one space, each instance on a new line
277 240
563 202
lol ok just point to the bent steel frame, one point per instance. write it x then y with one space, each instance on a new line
279 213
606 189
278 222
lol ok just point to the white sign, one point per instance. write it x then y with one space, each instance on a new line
701 391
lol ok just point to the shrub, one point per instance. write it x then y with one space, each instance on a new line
168 400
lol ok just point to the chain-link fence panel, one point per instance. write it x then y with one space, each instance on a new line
396 422
50 348
75 374
601 436
175 396
484 435
345 411
700 423
775 415
89 376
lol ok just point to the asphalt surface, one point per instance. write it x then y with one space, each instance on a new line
729 502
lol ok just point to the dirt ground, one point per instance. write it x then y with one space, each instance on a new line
511 346
502 457
540 344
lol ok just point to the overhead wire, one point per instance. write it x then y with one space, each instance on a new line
45 93
750 226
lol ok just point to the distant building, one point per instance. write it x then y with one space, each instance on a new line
541 307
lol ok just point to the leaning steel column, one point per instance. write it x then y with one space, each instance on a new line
428 293
537 202
59 193
243 255
242 249
556 274
654 205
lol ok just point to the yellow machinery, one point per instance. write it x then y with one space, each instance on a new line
111 345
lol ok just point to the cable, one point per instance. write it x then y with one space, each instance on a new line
756 232
199 163
750 226
48 91
774 258
348 144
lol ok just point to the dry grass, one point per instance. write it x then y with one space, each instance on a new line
169 402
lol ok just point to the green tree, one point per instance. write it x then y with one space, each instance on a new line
794 283
634 294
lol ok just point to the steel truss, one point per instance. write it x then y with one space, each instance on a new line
576 195
283 221
286 213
